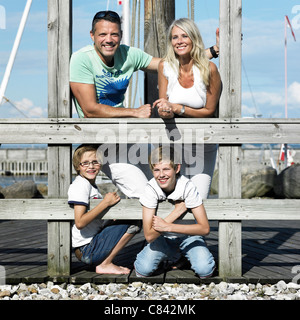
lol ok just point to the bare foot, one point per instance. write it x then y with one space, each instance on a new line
111 269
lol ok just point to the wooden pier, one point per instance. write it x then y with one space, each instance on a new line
239 252
270 251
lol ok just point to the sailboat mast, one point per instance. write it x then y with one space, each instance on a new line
14 50
126 21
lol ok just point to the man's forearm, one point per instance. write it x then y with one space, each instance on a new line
105 111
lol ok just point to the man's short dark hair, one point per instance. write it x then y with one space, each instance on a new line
108 15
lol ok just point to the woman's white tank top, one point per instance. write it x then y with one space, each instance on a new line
194 97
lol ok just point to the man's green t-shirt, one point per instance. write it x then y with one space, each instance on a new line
110 82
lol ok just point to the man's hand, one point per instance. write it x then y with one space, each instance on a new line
143 111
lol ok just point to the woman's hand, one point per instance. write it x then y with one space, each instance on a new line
164 108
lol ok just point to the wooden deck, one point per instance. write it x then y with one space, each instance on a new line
270 250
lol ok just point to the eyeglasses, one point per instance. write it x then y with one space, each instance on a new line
87 163
103 14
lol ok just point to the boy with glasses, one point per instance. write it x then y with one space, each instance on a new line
96 242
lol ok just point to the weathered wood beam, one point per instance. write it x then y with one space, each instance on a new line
158 15
59 105
230 244
217 209
222 131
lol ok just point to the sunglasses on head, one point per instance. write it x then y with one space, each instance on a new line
103 14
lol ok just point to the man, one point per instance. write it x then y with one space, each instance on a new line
100 73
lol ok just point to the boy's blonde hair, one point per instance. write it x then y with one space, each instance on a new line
78 153
165 154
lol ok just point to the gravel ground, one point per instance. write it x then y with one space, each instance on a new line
146 291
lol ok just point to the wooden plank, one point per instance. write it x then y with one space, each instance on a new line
263 266
59 105
217 209
230 249
158 15
181 276
230 245
222 131
59 52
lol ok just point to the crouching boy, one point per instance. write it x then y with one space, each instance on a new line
96 241
167 236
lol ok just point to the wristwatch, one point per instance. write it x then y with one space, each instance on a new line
182 111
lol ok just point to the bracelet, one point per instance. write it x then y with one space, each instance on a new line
213 52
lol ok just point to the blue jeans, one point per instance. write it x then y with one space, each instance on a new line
192 247
102 244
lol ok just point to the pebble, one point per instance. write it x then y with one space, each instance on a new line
147 291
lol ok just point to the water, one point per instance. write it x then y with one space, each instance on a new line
6 181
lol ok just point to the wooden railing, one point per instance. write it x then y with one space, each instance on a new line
229 131
229 212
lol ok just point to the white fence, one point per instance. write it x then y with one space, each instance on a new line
24 167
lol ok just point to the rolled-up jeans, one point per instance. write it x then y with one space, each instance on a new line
102 244
192 247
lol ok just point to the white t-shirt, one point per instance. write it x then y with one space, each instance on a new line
194 97
184 190
80 192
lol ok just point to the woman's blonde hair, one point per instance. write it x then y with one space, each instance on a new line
198 54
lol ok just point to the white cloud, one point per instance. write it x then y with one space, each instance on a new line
22 108
248 111
272 103
294 93
28 107
276 98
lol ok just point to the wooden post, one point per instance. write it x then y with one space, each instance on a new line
158 16
59 106
230 252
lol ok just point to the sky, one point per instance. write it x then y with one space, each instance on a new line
263 71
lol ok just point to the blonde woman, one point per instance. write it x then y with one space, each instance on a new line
189 86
